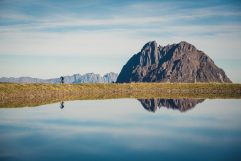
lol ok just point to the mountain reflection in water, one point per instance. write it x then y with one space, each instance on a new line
152 105
177 104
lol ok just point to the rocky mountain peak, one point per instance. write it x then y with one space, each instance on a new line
180 62
149 46
149 54
186 47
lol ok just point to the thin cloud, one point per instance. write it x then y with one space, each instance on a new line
132 17
119 29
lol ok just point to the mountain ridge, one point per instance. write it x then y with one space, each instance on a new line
73 79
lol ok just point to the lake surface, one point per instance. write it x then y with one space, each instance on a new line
123 129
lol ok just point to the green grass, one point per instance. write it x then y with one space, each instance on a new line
16 95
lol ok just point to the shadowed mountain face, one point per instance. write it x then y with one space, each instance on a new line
180 62
176 104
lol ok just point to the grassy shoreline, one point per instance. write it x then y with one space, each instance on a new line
12 94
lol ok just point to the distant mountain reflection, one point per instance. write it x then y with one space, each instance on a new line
177 104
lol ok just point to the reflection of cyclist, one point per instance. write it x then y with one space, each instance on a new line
62 80
61 105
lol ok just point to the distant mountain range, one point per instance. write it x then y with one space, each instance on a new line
180 62
74 79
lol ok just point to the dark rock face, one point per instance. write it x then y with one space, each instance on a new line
176 104
180 62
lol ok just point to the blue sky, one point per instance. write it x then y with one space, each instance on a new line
51 38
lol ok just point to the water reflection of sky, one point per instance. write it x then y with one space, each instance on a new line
121 129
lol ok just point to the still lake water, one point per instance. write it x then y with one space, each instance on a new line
123 129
